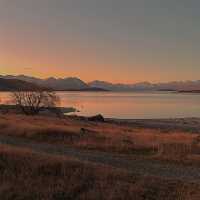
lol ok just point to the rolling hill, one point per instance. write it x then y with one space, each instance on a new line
16 85
71 83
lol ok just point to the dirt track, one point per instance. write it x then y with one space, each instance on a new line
138 166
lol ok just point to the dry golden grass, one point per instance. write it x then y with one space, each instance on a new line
25 175
99 136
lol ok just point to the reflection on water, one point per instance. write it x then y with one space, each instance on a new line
130 104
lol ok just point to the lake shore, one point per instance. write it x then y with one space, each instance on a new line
191 124
129 105
170 124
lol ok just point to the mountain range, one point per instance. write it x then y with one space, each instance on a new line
65 84
73 83
15 84
146 86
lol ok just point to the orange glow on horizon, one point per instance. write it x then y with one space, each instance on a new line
86 70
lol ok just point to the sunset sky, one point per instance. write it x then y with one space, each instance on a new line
112 40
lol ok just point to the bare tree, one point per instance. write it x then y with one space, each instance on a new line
32 102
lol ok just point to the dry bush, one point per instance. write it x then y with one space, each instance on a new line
25 175
32 102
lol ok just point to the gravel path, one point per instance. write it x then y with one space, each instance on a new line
138 166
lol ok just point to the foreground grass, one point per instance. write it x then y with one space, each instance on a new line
25 175
95 136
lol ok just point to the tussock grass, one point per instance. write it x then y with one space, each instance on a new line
25 175
100 136
175 150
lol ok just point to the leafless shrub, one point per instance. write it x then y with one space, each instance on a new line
32 102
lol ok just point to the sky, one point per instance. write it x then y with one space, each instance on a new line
113 40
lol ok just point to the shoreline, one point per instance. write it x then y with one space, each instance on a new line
168 124
188 124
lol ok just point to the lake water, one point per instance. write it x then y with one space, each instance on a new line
130 105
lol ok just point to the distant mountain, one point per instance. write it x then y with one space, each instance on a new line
180 85
122 87
170 86
64 84
53 83
75 84
16 85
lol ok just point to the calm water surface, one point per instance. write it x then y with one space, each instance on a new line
129 105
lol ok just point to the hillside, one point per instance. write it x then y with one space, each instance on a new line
71 83
15 85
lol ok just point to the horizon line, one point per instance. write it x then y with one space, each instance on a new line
130 83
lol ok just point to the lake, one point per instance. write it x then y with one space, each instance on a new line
130 105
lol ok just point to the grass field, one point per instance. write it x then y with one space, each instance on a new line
107 137
26 175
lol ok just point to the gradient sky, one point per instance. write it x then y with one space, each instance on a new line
112 40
